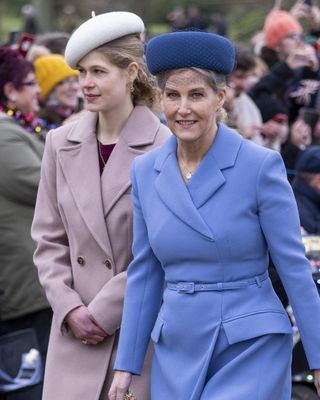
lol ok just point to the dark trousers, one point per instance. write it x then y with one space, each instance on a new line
40 321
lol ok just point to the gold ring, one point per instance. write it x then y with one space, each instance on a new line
129 396
84 341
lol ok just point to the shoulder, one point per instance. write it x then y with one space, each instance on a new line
256 153
9 127
58 137
75 131
12 132
163 133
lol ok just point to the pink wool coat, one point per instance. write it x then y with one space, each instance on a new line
83 230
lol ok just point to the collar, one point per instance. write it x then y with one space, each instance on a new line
133 133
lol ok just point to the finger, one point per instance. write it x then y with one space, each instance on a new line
97 326
95 339
120 395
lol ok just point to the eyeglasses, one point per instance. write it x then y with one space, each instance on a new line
29 83
295 36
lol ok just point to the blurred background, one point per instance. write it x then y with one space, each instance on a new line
236 19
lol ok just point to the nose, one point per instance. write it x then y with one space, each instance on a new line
184 107
86 81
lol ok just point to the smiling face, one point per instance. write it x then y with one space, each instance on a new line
66 92
105 86
190 106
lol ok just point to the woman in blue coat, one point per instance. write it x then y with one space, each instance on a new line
208 207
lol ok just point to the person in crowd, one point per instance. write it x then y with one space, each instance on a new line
306 187
294 76
83 217
194 282
299 138
23 303
274 129
59 96
195 19
309 13
260 70
54 41
243 114
177 19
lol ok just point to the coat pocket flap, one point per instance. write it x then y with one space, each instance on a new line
253 325
156 331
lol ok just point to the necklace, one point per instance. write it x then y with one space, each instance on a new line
29 121
187 172
100 155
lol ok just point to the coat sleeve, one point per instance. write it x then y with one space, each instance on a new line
20 167
52 255
280 223
143 296
109 298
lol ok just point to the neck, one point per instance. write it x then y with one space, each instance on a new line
190 154
111 123
193 152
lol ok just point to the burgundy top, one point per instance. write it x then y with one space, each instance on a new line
104 152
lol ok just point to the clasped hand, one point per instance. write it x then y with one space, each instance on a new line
84 326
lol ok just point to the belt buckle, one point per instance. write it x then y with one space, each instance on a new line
185 287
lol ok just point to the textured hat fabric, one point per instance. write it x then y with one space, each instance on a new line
309 160
277 26
190 49
50 70
99 30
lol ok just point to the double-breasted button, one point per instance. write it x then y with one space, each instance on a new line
81 261
108 263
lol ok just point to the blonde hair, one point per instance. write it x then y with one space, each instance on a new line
122 52
216 81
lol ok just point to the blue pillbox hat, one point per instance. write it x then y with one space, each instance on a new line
188 49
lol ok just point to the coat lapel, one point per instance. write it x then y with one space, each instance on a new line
185 200
83 177
209 176
173 191
133 141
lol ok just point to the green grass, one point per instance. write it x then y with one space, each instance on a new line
6 24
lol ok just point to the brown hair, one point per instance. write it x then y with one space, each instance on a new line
122 52
216 81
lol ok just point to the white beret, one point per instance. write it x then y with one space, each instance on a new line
99 30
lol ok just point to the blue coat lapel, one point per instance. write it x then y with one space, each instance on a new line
184 200
209 177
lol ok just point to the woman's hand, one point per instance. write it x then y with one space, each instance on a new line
317 380
84 327
120 385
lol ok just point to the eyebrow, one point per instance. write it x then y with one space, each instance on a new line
92 66
197 89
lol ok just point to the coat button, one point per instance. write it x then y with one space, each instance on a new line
81 261
108 263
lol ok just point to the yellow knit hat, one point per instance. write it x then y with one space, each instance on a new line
50 70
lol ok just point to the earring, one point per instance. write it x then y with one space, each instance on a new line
131 88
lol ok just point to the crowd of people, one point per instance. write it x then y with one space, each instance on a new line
232 141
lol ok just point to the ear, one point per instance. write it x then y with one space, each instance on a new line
132 71
221 94
10 91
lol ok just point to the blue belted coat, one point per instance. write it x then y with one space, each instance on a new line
234 340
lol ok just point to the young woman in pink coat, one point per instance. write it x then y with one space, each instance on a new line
83 217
